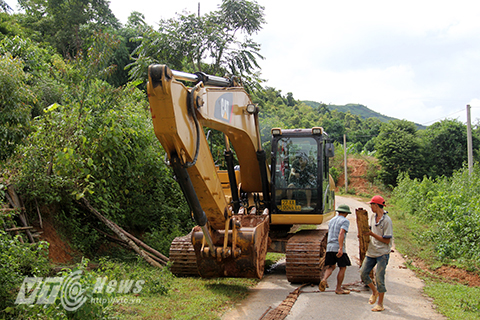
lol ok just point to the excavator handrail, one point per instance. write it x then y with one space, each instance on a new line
207 79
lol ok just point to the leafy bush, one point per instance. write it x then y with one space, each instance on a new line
335 173
18 260
449 209
162 236
81 295
109 284
15 104
399 149
103 148
373 170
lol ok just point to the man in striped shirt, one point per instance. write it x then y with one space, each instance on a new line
337 231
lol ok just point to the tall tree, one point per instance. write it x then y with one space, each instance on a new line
4 6
399 150
446 147
209 43
66 23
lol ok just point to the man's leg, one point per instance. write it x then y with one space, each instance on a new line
367 266
380 277
340 277
328 273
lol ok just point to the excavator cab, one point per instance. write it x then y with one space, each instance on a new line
301 186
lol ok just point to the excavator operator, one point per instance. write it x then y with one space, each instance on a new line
302 176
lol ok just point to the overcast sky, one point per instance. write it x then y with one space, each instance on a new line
413 59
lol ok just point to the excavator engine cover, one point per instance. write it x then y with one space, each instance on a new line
245 256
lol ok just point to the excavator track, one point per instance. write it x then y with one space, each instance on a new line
182 256
305 256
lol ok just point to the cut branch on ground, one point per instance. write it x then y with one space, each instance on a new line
127 238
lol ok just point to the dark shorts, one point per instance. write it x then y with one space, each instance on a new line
331 260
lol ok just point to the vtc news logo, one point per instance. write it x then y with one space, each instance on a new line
72 291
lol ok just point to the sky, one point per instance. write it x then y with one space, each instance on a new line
413 59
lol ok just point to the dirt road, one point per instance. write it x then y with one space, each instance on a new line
403 300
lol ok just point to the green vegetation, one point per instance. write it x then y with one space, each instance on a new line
74 123
356 109
437 221
18 260
273 258
456 301
447 209
399 150
98 144
192 298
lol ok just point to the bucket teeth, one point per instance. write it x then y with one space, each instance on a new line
242 258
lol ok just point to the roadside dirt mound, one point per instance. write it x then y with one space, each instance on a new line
460 275
59 250
451 273
357 177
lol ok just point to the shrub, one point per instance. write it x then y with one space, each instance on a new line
449 209
104 149
335 173
17 261
15 105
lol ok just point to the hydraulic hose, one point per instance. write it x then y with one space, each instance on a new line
191 107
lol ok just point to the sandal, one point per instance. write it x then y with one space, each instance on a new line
322 285
378 308
373 298
343 292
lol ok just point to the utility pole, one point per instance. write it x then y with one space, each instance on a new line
469 141
345 161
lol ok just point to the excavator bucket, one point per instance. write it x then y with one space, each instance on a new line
241 255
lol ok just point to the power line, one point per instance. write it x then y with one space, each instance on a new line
424 124
461 110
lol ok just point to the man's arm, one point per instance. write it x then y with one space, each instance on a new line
378 237
341 238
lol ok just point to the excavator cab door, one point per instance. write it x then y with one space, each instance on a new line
301 189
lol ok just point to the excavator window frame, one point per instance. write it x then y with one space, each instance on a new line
321 176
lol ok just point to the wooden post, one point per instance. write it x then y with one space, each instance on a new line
469 141
345 161
17 204
362 227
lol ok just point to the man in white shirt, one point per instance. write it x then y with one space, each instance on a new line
378 252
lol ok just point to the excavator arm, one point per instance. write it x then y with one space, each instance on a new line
227 244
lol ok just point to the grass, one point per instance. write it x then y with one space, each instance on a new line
455 301
189 298
272 258
406 233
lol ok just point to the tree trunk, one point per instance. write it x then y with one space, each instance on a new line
120 234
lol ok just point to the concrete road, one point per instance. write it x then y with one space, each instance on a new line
404 298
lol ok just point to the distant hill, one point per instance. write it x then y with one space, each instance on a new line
357 109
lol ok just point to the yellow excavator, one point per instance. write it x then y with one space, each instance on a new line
248 209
